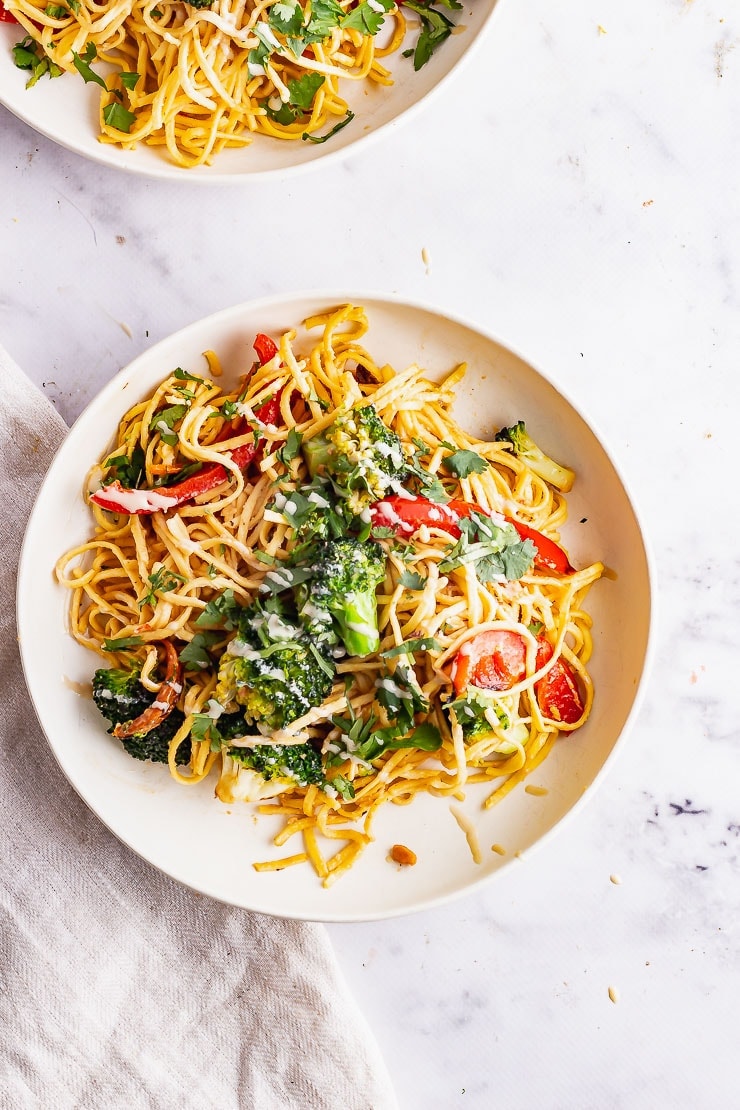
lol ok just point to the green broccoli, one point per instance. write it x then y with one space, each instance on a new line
271 669
526 449
299 762
120 697
346 573
360 454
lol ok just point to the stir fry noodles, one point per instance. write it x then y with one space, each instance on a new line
198 76
319 592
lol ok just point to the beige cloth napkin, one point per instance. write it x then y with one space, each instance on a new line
119 987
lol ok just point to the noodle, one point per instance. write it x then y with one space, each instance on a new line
197 79
144 581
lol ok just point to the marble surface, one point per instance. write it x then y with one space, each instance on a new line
574 190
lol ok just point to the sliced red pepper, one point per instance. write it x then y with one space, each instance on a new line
493 660
163 704
405 515
496 660
265 347
5 15
136 502
558 694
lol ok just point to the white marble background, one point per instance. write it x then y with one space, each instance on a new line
576 190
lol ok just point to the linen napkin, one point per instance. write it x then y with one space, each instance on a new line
121 988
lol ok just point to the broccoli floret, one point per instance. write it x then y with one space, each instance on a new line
360 454
120 697
299 762
346 573
272 670
251 775
526 449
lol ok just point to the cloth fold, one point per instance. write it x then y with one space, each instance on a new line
119 987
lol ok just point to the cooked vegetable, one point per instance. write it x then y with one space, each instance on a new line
272 670
360 454
526 449
123 701
345 575
135 502
404 516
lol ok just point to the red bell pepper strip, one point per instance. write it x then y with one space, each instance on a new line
265 347
165 701
405 515
5 15
136 502
496 660
557 693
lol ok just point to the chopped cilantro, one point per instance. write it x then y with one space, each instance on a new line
221 612
128 470
194 656
435 28
165 420
366 18
118 117
130 81
161 582
55 11
122 643
336 128
464 463
411 580
82 65
422 643
30 55
291 448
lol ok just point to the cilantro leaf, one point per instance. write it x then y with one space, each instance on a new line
118 117
303 89
194 656
365 18
286 16
161 582
435 28
325 16
82 65
291 448
165 420
122 643
221 612
411 580
464 463
130 81
28 54
423 643
128 470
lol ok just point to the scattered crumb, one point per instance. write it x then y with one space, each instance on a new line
616 879
538 791
647 203
401 854
125 328
498 849
120 239
602 30
613 995
425 257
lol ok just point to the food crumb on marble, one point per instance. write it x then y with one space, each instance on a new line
613 995
616 879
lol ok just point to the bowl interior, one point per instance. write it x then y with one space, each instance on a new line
176 828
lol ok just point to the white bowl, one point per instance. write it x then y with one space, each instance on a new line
65 110
210 847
